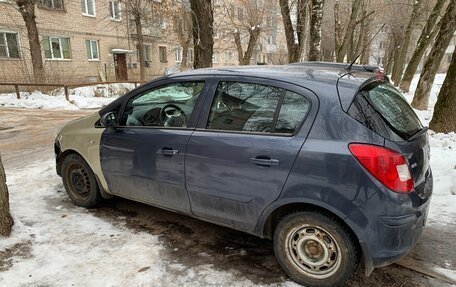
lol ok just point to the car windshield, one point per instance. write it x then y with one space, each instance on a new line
394 109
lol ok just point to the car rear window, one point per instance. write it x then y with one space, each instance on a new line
382 102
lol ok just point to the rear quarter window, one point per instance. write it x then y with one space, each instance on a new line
383 109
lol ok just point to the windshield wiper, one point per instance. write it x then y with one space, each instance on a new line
417 134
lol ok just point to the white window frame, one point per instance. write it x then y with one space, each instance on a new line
6 44
112 10
92 59
60 46
86 8
178 54
215 57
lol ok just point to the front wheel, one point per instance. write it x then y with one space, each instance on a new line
79 181
314 249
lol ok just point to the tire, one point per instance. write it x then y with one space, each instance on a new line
79 181
314 249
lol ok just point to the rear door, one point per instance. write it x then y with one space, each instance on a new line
245 145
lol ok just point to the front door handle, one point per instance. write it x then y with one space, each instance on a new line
265 161
169 151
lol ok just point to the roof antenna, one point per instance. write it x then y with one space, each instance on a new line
364 48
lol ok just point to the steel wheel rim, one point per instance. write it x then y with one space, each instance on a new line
313 251
78 181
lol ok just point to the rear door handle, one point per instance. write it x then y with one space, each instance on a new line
265 161
169 151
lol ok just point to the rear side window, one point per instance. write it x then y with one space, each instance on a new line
250 107
381 108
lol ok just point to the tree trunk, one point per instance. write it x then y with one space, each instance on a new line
399 64
184 61
294 49
203 41
341 51
427 34
444 119
447 28
140 45
315 30
237 41
6 221
27 10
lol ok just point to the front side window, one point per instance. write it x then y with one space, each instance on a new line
56 48
9 47
53 4
249 107
88 7
92 50
114 10
166 106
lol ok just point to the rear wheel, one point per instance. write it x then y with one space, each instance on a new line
314 249
79 181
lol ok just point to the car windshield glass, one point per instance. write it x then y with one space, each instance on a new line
394 109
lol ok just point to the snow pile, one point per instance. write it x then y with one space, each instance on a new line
88 97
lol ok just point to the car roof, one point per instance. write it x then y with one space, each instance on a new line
301 74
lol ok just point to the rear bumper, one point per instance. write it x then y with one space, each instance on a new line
392 224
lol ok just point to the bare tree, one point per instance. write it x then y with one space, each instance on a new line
27 10
295 45
342 43
182 28
427 35
447 29
137 11
203 33
315 30
443 119
6 221
250 22
399 63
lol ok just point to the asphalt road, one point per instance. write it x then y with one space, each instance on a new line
27 136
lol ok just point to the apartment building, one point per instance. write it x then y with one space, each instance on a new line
93 40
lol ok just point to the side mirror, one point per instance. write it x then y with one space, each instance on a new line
109 120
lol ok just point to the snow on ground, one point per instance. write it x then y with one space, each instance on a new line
69 245
443 161
88 97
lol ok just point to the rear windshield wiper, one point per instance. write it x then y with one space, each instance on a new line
417 134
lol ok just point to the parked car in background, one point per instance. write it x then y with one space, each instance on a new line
331 164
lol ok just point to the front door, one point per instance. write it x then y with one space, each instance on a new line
239 158
120 64
143 158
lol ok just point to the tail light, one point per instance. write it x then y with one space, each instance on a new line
387 166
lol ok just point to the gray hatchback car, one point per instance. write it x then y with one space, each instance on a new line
332 164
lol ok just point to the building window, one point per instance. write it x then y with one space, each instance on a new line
190 55
382 45
215 57
146 52
271 40
114 10
56 48
9 47
53 4
88 7
92 50
178 52
162 54
240 14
